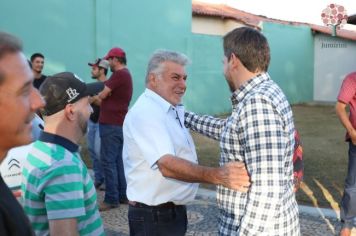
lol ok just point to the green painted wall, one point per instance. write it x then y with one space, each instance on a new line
141 28
61 30
207 90
72 33
292 60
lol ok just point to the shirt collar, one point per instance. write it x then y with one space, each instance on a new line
59 140
245 88
166 106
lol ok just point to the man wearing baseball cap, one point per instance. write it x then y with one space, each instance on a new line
58 194
116 98
99 69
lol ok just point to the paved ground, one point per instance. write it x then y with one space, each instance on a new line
202 217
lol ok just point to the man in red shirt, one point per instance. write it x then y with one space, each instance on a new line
115 100
347 98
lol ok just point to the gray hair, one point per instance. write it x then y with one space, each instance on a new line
8 44
155 64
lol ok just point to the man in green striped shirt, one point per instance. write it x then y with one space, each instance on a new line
59 196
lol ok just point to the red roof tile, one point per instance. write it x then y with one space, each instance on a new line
252 20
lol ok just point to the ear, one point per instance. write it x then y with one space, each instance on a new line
152 79
69 112
234 61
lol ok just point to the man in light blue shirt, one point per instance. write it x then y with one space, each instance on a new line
159 154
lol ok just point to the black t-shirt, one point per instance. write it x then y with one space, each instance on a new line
96 112
13 220
37 82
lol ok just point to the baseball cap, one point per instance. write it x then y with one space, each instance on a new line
65 88
100 63
115 52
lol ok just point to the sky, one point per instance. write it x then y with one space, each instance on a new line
308 11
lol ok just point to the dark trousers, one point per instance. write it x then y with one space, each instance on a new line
348 201
152 221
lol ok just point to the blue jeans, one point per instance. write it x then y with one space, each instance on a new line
348 201
111 159
93 140
153 221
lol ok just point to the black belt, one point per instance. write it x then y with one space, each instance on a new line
163 205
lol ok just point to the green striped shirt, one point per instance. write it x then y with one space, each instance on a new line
56 185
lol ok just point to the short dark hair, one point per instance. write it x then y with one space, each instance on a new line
35 55
122 60
8 44
250 46
105 70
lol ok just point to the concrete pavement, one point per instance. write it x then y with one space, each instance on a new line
203 220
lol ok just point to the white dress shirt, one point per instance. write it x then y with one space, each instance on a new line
152 129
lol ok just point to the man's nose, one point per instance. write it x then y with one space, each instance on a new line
183 83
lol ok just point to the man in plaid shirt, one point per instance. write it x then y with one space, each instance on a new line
259 132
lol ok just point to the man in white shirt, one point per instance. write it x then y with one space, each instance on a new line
159 154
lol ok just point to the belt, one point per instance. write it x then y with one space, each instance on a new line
163 205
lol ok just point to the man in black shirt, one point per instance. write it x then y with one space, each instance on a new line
19 101
99 70
37 63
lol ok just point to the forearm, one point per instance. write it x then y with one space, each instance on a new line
95 100
63 227
105 93
205 125
181 169
344 118
232 175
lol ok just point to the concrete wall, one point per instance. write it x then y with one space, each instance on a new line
207 89
213 25
62 30
334 59
292 60
72 33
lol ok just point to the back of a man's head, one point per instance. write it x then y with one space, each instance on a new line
250 47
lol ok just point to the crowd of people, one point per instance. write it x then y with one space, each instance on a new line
145 156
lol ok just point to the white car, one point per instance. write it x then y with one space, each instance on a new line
11 166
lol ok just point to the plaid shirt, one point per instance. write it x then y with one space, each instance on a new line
259 132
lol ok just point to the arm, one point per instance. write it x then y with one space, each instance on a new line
344 118
105 93
155 144
95 100
265 160
232 175
205 125
65 227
